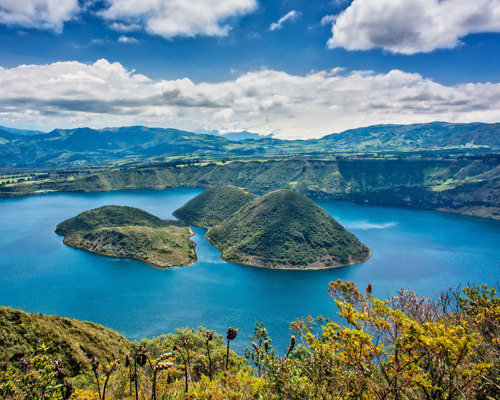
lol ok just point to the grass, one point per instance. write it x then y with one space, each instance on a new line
73 341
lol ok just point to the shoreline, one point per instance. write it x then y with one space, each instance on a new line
278 268
475 211
155 266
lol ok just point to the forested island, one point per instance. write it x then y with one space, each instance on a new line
129 232
282 229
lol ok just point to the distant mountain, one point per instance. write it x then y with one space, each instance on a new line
85 146
282 229
21 131
416 136
213 206
243 135
7 137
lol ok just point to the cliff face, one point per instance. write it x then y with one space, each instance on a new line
466 186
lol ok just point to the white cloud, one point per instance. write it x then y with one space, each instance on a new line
412 26
71 94
99 41
328 19
40 14
127 39
171 18
121 27
292 16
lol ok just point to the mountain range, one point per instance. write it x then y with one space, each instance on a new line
86 146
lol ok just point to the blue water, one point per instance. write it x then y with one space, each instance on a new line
419 250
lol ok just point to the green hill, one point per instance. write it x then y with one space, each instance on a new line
74 342
129 232
284 229
213 206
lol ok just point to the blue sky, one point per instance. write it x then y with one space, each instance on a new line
294 68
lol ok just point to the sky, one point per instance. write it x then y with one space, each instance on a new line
296 69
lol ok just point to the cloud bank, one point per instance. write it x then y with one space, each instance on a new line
40 14
71 94
412 26
171 18
167 18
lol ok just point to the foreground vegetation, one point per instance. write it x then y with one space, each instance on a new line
121 231
72 341
405 348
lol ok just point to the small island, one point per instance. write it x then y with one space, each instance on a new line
120 231
282 229
213 206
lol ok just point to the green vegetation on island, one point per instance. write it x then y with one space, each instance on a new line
121 231
213 206
282 229
408 347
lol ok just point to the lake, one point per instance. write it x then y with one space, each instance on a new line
420 250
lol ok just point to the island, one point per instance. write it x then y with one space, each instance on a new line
282 229
121 231
213 206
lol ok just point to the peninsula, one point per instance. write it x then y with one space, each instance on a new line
129 232
282 229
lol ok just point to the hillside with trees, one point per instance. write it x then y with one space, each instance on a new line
282 229
407 347
469 186
213 206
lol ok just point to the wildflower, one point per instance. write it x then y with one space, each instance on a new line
231 333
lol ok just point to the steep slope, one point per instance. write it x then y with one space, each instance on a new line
121 231
74 342
469 185
213 206
286 230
